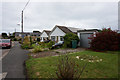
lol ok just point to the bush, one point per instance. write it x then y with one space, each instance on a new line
15 39
37 49
68 69
50 44
105 40
42 44
26 43
26 46
68 39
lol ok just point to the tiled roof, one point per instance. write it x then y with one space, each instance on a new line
64 29
47 31
68 29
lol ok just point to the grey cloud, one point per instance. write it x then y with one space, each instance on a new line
45 15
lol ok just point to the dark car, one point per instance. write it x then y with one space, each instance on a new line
58 45
46 41
5 43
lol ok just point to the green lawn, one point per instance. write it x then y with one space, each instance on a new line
46 67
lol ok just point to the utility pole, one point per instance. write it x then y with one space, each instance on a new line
22 21
15 29
22 26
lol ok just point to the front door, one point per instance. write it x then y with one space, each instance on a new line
57 38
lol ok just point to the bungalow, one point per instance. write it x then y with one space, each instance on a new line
58 32
45 35
34 34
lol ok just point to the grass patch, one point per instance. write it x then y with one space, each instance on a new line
46 67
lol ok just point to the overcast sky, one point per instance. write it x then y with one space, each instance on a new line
45 15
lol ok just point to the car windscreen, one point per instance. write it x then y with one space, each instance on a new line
4 41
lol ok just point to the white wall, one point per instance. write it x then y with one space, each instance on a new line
57 32
44 34
78 34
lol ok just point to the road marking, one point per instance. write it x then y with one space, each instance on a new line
3 75
1 57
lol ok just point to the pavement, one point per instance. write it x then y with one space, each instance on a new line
13 62
5 51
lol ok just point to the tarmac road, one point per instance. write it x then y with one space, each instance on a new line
13 62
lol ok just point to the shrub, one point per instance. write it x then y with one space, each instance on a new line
37 49
26 46
68 39
67 69
15 39
42 44
50 44
105 40
26 43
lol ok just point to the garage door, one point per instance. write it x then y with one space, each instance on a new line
84 41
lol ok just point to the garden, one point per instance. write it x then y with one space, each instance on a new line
99 65
98 61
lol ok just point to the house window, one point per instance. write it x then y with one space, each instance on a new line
53 38
61 38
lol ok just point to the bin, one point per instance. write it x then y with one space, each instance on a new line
74 43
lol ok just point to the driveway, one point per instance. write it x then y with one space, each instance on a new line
13 62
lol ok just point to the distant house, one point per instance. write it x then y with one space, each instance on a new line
19 34
58 32
45 35
34 34
84 36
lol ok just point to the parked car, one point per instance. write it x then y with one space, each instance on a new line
58 45
47 41
5 43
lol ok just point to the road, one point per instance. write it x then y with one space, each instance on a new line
13 62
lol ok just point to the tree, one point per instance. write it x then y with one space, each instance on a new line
26 41
105 40
4 35
68 39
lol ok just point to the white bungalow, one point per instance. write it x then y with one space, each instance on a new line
45 35
58 32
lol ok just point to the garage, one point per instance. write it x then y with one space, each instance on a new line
84 41
84 37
